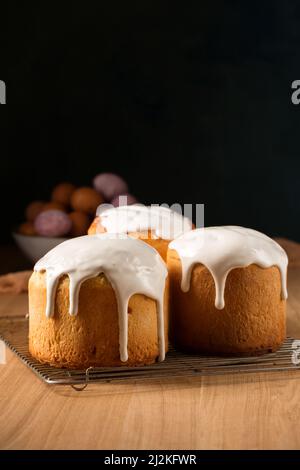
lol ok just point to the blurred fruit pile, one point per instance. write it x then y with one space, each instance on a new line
71 209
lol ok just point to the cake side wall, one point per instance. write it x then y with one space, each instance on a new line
253 320
92 336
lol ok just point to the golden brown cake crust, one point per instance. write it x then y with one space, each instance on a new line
252 322
159 244
91 338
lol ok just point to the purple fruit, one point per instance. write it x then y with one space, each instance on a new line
110 185
52 223
124 200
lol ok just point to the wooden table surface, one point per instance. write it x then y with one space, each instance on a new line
254 411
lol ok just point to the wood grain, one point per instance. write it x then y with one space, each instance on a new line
255 411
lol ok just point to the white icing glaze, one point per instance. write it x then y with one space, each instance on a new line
221 249
163 222
130 265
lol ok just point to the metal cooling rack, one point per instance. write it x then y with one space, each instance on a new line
14 332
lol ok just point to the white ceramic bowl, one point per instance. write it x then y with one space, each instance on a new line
34 247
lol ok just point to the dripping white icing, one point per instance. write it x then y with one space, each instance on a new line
221 249
130 265
164 223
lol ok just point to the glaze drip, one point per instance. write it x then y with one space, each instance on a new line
163 222
130 265
221 249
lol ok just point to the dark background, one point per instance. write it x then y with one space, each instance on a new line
189 101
